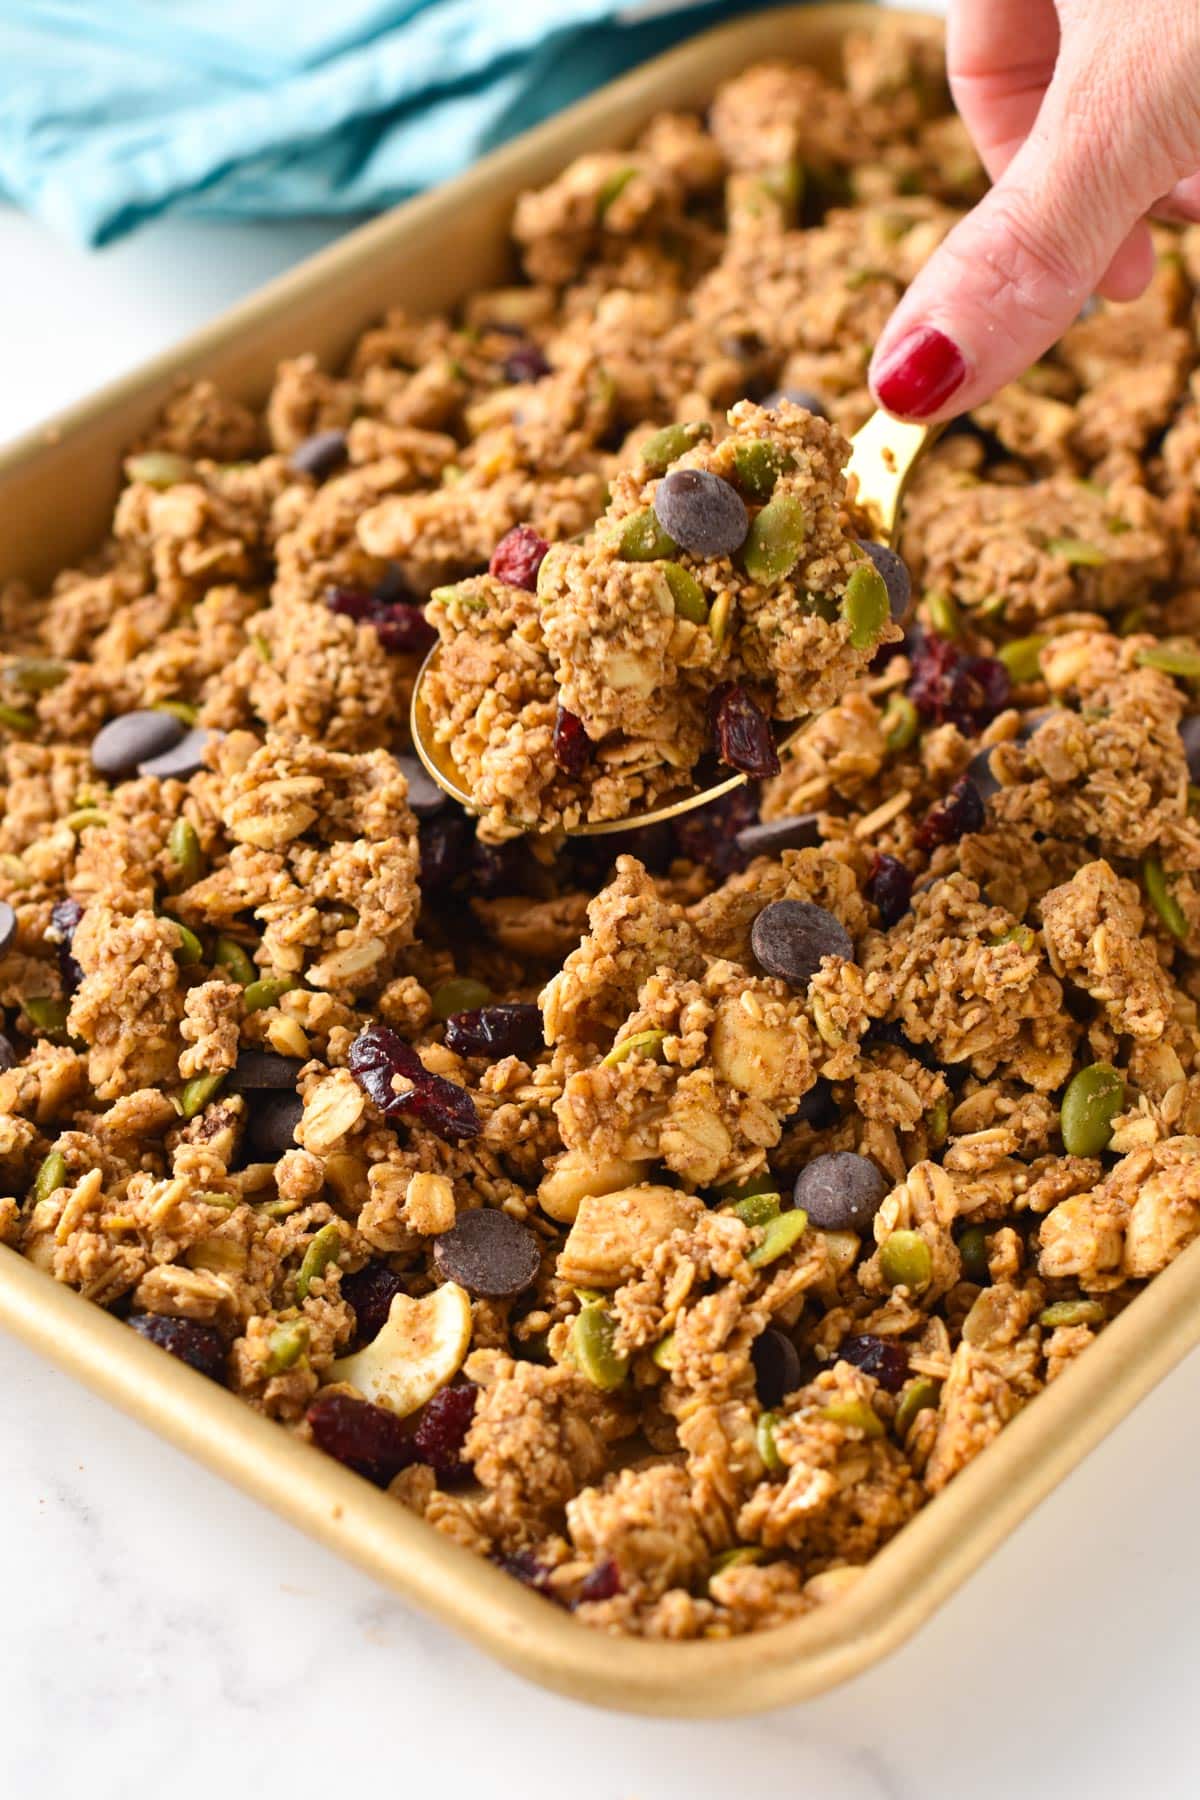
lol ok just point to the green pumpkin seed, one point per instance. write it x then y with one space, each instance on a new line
51 1175
943 614
190 950
593 1344
1092 1101
1024 935
972 1247
865 606
937 1122
1077 551
856 1413
50 1016
665 1353
901 723
322 1250
642 539
719 618
742 1190
687 593
1022 657
775 540
917 1397
460 994
642 1043
198 1092
229 955
285 1346
1072 1312
267 991
1157 882
755 1209
905 1260
85 816
778 1236
764 1441
13 719
183 710
37 674
158 468
758 465
785 184
614 184
183 846
739 1557
1172 659
664 447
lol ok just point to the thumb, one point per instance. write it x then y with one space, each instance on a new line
1009 279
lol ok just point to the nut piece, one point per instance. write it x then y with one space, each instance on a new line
575 1174
332 1109
612 1233
419 1350
429 1204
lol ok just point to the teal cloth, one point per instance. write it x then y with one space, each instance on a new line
114 111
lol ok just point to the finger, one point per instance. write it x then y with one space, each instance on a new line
1181 205
1131 269
1000 60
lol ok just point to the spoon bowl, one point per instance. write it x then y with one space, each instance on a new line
883 455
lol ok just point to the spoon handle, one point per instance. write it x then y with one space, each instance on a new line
882 456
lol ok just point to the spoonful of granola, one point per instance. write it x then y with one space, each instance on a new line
730 590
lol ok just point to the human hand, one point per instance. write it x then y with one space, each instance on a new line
1086 114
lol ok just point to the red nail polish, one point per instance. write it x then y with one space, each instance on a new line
920 375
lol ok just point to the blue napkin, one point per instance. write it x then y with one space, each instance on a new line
113 111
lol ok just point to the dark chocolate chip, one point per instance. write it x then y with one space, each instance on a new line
790 937
424 795
263 1069
980 770
125 743
319 455
1189 731
8 926
805 398
776 1366
770 836
271 1126
840 1191
184 759
704 515
489 1253
8 1056
896 577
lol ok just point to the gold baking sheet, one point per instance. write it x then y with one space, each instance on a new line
57 488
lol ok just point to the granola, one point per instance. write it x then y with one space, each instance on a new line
668 1217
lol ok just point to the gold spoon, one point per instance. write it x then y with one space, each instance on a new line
882 457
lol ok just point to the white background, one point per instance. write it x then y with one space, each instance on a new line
160 1636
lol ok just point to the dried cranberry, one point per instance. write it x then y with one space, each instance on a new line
351 603
370 1291
571 743
446 844
64 918
368 1439
742 733
602 1583
511 1030
443 1429
518 557
200 1346
499 868
952 687
709 834
529 1570
883 1358
526 363
402 628
378 1054
960 812
889 887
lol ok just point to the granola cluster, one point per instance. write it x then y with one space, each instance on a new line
666 1218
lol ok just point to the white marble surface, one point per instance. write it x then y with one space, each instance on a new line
161 1635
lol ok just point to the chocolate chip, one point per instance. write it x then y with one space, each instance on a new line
424 795
121 746
184 759
770 836
980 770
797 396
8 1056
840 1191
489 1253
776 1366
319 455
1189 731
263 1069
790 937
896 577
8 926
818 1108
271 1126
704 515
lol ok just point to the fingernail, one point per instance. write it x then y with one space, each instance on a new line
921 374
